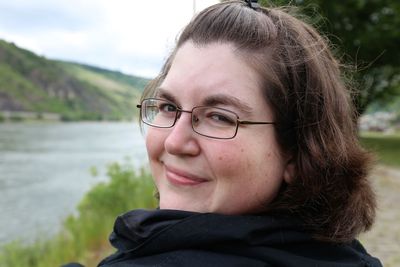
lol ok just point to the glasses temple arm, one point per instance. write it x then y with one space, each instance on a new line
255 122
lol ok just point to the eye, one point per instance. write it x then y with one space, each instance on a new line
221 118
167 107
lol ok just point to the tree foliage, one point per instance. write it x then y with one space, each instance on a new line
366 35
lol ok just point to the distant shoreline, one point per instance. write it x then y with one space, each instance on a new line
7 115
26 116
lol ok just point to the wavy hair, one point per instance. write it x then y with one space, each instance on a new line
316 122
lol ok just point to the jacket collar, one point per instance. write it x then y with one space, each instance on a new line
153 231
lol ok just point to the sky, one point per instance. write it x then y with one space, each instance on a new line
131 36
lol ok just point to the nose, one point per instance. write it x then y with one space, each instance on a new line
182 140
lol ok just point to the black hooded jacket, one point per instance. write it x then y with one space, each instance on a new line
180 238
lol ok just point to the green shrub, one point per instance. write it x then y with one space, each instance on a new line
86 234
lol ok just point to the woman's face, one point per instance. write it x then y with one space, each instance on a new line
201 174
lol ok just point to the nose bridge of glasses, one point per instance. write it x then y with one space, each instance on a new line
179 111
185 111
194 119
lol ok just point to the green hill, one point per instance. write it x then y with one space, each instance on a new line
34 84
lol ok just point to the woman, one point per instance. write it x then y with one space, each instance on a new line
253 148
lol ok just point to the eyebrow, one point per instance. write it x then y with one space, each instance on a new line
222 99
212 100
162 93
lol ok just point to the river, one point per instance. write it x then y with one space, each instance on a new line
45 169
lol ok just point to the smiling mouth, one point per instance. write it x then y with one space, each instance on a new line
180 178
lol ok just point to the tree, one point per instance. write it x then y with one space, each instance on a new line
366 35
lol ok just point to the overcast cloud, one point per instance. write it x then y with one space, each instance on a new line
131 36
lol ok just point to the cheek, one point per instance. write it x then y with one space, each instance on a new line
247 160
154 144
154 147
229 159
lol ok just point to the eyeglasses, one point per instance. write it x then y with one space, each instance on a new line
213 122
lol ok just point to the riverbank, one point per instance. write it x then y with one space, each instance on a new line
50 165
8 116
28 116
84 236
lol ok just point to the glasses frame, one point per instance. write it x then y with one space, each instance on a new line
179 111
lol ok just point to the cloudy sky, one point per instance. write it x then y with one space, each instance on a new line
132 36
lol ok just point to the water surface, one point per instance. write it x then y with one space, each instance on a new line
45 170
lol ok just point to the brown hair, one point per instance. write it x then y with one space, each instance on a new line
315 118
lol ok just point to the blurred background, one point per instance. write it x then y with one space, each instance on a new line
71 153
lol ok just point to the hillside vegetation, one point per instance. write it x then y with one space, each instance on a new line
31 83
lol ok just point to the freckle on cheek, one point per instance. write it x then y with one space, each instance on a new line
220 158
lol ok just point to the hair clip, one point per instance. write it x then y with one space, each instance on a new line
253 4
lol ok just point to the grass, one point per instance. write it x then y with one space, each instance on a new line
385 146
84 237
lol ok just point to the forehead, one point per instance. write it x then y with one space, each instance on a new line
211 67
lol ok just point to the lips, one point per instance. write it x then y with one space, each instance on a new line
182 178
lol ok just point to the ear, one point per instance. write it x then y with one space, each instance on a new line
290 171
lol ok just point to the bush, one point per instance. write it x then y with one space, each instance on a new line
84 237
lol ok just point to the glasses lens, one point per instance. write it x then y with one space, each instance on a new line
214 122
158 113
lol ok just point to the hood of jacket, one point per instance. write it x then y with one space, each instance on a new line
180 238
